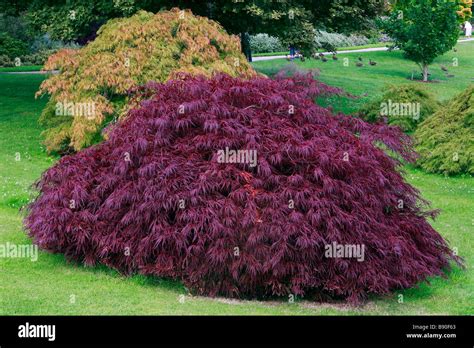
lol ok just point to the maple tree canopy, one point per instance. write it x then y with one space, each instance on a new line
154 198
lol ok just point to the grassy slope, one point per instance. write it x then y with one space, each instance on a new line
368 81
47 286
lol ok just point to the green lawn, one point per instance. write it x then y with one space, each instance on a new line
367 82
21 68
53 286
352 48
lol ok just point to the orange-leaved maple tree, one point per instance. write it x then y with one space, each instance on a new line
93 84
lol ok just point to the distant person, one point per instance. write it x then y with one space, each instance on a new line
292 52
468 29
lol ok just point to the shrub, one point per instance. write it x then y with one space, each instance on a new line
38 58
299 35
15 27
264 43
403 105
12 47
162 198
5 61
44 43
129 52
331 41
445 141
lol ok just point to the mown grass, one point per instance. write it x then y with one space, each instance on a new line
368 81
22 68
53 286
374 45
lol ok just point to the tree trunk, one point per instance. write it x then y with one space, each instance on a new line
245 44
425 72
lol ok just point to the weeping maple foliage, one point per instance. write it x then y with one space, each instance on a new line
395 98
156 198
445 141
126 53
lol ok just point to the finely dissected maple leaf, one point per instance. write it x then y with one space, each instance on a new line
156 189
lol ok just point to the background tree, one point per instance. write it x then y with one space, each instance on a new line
424 29
292 20
345 16
74 20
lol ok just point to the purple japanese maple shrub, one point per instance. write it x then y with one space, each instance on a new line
243 188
